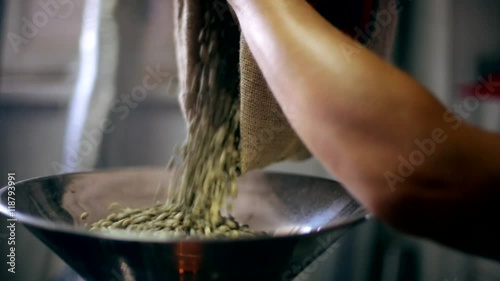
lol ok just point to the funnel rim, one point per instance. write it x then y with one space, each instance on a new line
64 228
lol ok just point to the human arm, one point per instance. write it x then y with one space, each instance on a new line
360 116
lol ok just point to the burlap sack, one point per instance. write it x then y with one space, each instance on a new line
265 135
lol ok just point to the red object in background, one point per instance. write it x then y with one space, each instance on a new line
486 84
346 14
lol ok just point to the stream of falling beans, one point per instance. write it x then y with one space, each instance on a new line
205 180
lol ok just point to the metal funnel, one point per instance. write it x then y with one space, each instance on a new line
306 214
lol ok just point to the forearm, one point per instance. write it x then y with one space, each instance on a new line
361 118
334 99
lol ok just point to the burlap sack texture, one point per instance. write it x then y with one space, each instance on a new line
265 135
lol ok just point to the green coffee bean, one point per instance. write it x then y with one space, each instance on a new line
121 216
223 229
207 230
84 216
231 224
178 216
113 205
106 224
112 217
162 217
140 219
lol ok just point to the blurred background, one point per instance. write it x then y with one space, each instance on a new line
67 65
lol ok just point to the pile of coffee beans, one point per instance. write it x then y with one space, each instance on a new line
205 180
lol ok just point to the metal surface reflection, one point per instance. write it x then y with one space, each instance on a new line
278 203
189 257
